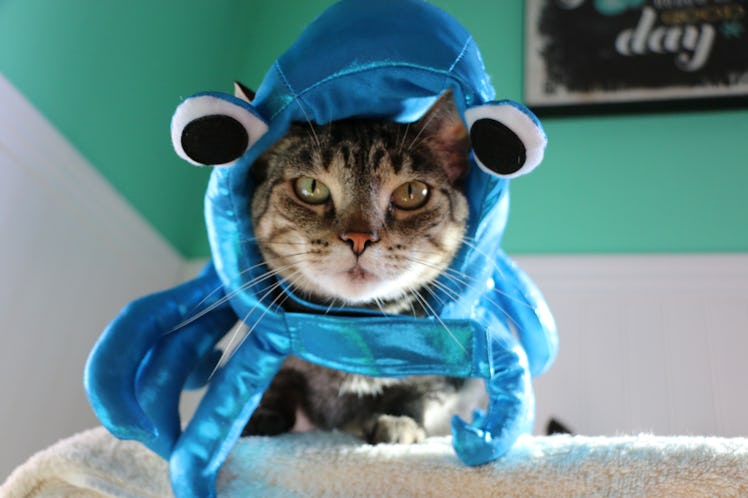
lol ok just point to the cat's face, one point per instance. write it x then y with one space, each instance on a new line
359 211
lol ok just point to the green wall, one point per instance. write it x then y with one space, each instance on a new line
110 77
109 74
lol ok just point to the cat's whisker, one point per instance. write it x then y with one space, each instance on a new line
412 308
405 135
424 127
417 143
329 129
427 307
247 285
434 295
293 255
277 300
261 242
454 274
271 258
454 295
219 288
228 353
230 350
504 312
451 293
471 243
292 284
331 306
380 305
493 264
415 139
280 298
282 243
418 299
245 239
482 321
309 122
446 289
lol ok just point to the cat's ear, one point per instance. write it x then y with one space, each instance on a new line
243 92
445 134
506 137
215 129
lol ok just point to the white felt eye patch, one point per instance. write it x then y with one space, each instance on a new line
506 138
215 129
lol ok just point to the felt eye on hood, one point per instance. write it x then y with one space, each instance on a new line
311 190
506 137
410 195
215 129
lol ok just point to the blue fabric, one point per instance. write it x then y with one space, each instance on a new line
388 59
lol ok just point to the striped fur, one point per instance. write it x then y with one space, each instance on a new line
362 163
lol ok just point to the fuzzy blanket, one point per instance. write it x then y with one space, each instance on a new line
93 464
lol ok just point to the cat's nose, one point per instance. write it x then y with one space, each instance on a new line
359 241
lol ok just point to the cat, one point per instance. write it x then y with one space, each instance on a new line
363 213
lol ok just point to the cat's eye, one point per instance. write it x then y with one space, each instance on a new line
311 190
410 195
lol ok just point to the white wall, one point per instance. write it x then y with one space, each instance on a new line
72 253
648 343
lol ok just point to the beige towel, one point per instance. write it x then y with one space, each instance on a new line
93 464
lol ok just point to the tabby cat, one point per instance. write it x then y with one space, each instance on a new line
366 214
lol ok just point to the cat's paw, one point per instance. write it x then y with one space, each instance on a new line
266 422
395 429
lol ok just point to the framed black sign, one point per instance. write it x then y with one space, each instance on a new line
582 55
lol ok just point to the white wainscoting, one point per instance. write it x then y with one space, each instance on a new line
72 253
648 343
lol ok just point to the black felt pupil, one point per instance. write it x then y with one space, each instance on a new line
497 147
215 139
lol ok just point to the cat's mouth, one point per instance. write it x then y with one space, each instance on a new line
359 275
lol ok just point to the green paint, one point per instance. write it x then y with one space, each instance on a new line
109 76
667 183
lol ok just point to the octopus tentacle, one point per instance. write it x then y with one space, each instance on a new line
232 397
166 369
523 302
126 346
511 401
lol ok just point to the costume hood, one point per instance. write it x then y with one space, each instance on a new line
388 59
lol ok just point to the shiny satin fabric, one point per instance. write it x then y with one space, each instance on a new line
388 59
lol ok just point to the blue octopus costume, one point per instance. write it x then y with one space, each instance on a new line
388 59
